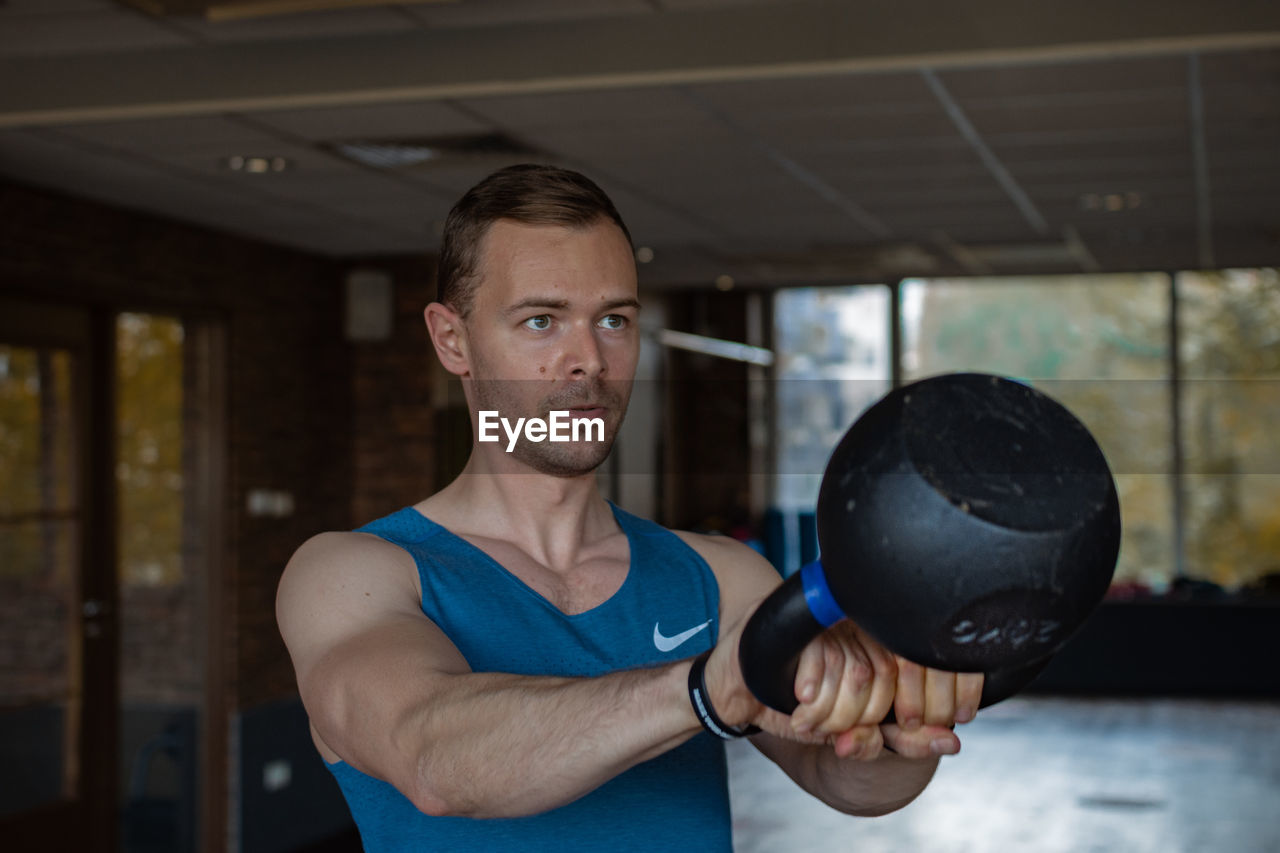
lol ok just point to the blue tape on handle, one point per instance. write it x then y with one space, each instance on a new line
822 604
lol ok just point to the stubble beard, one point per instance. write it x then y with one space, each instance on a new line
557 459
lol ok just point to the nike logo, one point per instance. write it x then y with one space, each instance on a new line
666 644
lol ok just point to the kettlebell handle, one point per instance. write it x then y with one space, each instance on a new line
793 616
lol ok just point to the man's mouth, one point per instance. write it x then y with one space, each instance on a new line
588 411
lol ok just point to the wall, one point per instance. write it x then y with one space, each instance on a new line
287 377
394 422
288 382
706 453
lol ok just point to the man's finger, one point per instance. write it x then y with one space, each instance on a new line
908 702
853 689
968 695
920 742
939 697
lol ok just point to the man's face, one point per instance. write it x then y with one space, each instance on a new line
553 327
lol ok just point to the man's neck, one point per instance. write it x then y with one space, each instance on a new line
550 518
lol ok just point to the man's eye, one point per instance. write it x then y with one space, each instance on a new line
613 321
539 324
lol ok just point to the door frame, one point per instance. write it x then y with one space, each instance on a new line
88 817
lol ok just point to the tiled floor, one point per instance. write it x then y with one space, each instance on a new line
1055 775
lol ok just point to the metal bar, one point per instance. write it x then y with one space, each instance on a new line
997 169
1175 417
1200 159
730 350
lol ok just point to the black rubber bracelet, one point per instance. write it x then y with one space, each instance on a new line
701 702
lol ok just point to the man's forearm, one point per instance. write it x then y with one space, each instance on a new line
497 745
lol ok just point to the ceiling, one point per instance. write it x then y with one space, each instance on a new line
771 142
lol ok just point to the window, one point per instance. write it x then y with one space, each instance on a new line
1189 430
1099 345
833 362
1229 346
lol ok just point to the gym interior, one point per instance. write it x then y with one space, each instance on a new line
218 227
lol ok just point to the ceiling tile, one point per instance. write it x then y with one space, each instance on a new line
409 120
1103 75
46 7
94 31
186 134
481 13
309 25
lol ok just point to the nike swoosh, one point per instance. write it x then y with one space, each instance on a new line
666 644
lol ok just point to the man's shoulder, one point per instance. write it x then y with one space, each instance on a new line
336 561
733 563
341 546
712 545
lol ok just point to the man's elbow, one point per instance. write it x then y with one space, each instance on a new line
439 795
432 804
430 792
875 809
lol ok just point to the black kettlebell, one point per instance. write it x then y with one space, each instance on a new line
967 522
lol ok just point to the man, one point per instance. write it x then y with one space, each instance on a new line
507 664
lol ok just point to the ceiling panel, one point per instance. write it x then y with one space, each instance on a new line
795 97
411 120
322 24
44 159
1101 75
216 136
46 7
1163 109
91 30
482 13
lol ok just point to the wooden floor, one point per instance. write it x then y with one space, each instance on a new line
1052 774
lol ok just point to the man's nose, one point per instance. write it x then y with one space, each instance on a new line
584 357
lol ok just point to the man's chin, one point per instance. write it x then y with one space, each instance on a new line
564 461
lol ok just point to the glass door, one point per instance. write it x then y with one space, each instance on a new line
55 623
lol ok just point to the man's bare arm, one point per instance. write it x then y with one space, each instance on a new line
829 769
388 693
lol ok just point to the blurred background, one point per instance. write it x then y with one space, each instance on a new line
218 226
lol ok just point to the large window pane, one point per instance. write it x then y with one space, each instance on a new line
833 363
1229 348
1098 344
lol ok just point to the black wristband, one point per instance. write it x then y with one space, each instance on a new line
701 702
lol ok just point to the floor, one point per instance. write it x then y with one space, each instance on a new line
1054 774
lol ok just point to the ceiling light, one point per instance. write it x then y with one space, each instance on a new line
386 155
1111 202
257 165
644 254
489 148
724 282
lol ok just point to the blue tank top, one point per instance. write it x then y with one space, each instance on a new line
677 801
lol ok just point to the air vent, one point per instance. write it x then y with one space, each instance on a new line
396 154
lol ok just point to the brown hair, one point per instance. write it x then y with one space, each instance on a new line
528 193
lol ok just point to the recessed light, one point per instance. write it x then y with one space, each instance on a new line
644 254
1111 202
257 165
724 282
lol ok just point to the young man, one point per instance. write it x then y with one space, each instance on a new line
506 665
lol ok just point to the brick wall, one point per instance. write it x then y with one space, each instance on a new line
393 383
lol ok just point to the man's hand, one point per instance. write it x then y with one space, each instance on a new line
846 683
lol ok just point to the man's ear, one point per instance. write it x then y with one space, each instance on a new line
449 337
